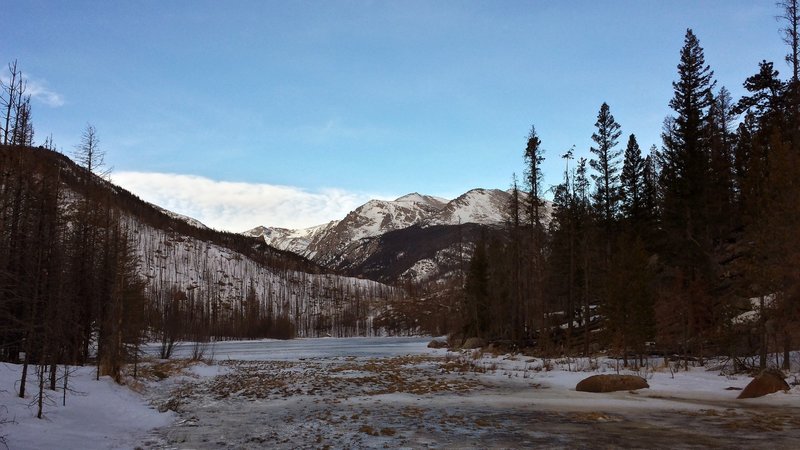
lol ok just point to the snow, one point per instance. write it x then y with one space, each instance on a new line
754 313
422 270
212 272
431 201
396 392
98 414
190 220
376 217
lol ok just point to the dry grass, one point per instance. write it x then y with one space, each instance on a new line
366 429
328 383
593 416
758 421
157 370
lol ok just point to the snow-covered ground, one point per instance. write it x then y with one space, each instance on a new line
99 414
395 392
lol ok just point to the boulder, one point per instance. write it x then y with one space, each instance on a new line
611 383
437 344
473 342
767 382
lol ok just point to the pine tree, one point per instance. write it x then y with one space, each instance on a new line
685 159
562 262
534 156
515 232
721 143
477 293
628 310
606 164
650 176
633 184
684 188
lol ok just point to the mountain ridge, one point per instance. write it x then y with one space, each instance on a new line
376 217
361 243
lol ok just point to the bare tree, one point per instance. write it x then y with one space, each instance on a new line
11 95
89 155
22 134
791 34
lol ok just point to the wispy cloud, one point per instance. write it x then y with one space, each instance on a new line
335 129
39 91
236 206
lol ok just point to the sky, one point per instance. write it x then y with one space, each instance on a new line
292 113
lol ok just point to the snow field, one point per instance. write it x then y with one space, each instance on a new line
99 414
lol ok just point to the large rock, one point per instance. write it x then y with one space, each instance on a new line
611 383
767 382
437 344
473 342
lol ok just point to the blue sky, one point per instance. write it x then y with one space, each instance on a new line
261 106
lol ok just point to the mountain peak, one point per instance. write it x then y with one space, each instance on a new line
416 197
376 217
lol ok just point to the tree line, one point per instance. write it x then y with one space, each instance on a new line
665 247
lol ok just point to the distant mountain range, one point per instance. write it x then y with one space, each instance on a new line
415 237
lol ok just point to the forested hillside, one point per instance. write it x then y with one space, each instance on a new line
691 247
88 270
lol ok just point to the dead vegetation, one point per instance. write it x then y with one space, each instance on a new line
327 382
758 420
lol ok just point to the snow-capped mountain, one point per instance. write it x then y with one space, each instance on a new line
363 234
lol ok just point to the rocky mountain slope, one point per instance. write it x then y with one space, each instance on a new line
415 237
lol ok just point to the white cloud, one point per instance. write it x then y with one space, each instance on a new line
39 91
236 206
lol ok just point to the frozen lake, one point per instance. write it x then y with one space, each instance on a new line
311 348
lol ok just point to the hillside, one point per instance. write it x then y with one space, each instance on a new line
219 280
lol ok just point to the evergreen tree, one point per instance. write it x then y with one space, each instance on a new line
516 236
477 293
721 145
684 183
628 310
633 183
766 90
606 164
534 303
650 197
562 264
534 157
685 159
